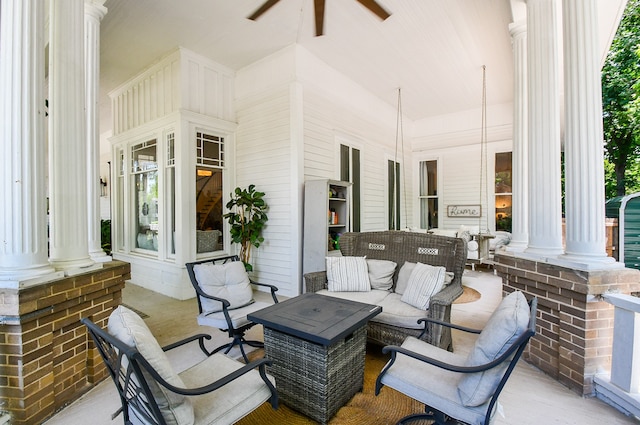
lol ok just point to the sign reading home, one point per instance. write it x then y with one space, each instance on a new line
464 210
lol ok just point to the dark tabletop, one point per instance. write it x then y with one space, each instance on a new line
316 318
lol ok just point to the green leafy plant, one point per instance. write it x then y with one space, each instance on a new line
105 235
247 218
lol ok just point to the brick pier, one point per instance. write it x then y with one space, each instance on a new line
46 360
574 325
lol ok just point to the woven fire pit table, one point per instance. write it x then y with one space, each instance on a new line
317 344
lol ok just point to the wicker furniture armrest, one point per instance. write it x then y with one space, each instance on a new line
315 281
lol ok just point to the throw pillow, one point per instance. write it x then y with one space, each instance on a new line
381 273
505 325
347 274
403 277
228 281
129 328
424 282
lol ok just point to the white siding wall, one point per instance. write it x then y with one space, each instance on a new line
266 156
459 182
338 109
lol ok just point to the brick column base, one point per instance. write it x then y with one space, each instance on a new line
46 357
574 326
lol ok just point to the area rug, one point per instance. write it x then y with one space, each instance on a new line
469 295
363 409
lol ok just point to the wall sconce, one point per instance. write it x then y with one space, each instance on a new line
103 186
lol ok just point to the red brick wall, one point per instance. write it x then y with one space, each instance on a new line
574 326
46 359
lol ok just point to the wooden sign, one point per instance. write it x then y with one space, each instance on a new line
464 210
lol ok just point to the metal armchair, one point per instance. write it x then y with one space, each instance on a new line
225 297
216 390
462 389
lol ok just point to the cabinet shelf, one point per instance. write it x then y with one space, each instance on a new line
321 198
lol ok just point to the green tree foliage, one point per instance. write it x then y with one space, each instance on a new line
621 105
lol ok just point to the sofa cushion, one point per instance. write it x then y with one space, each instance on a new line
129 328
381 273
395 312
506 324
405 273
403 277
347 274
229 281
424 282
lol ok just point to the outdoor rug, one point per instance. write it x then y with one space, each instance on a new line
363 409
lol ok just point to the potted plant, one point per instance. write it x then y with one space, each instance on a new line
247 217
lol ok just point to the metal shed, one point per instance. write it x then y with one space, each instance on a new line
627 210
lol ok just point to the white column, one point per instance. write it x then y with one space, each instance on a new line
520 188
545 208
23 222
67 137
94 11
584 151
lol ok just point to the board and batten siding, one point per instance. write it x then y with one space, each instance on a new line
264 158
180 80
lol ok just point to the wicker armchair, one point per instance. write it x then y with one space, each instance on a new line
400 246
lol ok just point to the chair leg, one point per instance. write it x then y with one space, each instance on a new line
436 416
239 341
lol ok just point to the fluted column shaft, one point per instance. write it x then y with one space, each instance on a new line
94 11
519 178
545 208
584 151
23 222
67 137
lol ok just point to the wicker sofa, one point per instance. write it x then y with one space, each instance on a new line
400 246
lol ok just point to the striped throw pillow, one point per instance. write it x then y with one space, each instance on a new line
424 282
347 274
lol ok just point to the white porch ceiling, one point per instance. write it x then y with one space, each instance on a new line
433 49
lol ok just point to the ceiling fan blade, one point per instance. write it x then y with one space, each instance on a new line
266 6
374 7
319 13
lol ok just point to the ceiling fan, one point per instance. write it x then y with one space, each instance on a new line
372 5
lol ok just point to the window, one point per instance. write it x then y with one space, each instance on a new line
393 183
170 191
503 191
428 194
350 172
121 168
144 173
209 184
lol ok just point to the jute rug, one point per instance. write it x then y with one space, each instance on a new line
363 409
469 295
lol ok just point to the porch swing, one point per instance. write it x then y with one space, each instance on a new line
484 234
477 239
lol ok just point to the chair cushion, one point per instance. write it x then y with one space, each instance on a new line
129 328
233 401
430 384
424 282
238 316
506 324
347 274
381 273
229 281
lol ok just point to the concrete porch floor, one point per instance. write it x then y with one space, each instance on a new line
530 397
